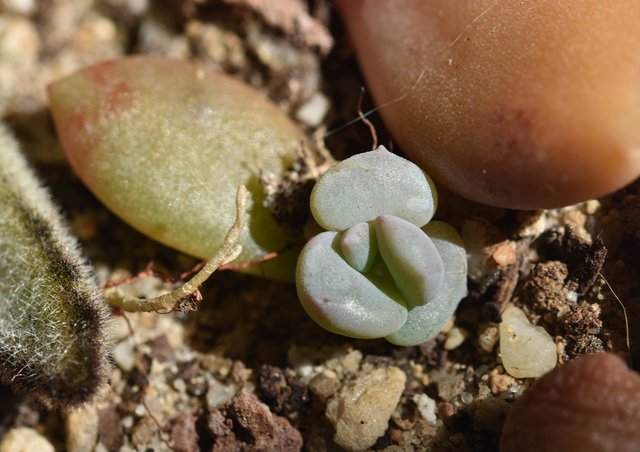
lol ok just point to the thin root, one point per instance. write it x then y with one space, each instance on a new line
228 251
626 318
363 118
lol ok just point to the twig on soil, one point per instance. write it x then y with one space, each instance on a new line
228 251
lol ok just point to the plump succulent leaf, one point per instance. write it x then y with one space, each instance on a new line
348 280
342 300
359 246
367 185
164 144
412 259
424 322
52 340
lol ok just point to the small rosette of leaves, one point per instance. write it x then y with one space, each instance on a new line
52 321
382 269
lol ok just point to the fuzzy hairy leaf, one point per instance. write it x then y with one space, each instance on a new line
52 321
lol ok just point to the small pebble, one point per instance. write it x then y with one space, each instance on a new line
140 410
455 338
527 351
488 336
361 410
123 355
82 429
351 361
24 439
324 386
218 394
504 253
25 7
590 404
466 398
426 407
500 383
450 386
314 110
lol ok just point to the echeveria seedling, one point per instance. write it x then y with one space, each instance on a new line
164 144
382 270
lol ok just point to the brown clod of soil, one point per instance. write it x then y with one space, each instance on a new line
218 425
256 429
184 437
584 260
110 430
159 348
581 325
287 199
283 395
545 292
592 403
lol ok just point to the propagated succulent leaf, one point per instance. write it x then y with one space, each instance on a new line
424 322
412 259
342 300
359 246
52 338
164 144
367 185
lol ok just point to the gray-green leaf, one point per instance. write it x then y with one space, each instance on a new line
342 300
367 185
411 257
424 322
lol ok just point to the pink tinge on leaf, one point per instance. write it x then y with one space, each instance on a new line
164 144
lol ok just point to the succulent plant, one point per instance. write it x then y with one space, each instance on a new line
524 105
164 144
52 321
382 269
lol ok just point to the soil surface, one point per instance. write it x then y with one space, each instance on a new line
249 370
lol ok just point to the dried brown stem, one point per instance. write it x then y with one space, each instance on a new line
228 251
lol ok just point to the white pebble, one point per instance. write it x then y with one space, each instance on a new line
455 338
24 439
426 407
25 7
527 351
124 356
361 410
82 429
314 110
218 394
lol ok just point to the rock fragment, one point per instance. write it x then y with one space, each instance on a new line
361 410
24 439
527 351
255 428
82 429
